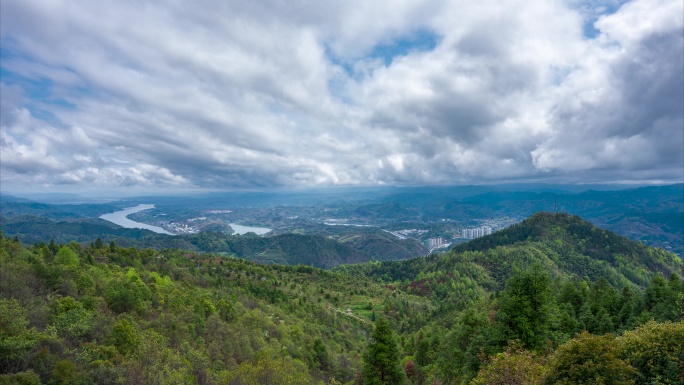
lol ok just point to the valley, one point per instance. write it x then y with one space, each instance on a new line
399 218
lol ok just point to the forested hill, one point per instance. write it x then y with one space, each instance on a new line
565 245
571 229
106 314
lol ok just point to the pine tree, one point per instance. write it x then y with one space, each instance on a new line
53 247
381 361
320 355
525 311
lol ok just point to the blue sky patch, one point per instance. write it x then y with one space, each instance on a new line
422 40
38 94
593 10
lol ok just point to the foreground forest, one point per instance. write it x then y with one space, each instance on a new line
552 300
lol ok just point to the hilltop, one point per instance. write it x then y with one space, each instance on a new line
565 245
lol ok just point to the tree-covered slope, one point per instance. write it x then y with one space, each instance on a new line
36 229
566 246
578 247
552 300
108 314
521 309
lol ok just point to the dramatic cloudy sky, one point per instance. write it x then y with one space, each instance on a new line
243 94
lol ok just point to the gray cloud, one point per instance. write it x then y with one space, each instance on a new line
264 93
635 125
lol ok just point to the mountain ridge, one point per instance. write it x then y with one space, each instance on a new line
565 245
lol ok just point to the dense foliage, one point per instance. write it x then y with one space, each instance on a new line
549 305
108 314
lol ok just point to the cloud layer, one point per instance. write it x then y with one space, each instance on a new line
270 93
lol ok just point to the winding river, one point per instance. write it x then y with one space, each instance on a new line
121 218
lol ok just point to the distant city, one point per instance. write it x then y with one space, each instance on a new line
434 243
439 242
476 232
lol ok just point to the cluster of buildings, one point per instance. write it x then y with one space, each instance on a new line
476 232
180 228
435 242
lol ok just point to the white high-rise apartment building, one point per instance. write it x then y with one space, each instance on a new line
476 232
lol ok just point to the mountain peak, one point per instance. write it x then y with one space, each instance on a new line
579 246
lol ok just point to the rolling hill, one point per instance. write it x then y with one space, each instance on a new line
544 290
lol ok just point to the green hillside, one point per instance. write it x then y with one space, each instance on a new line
108 314
566 245
552 300
36 229
529 290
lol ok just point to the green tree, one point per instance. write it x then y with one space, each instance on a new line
458 360
589 359
16 339
269 370
64 373
124 336
656 350
28 377
662 298
321 355
127 293
66 256
525 311
381 363
226 310
512 367
53 247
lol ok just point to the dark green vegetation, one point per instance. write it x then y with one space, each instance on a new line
33 228
108 314
381 360
552 300
325 251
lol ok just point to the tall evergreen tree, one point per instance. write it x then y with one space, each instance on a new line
320 355
381 361
53 247
525 310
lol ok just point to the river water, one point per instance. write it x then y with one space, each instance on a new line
120 218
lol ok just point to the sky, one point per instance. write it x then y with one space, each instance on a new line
192 95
